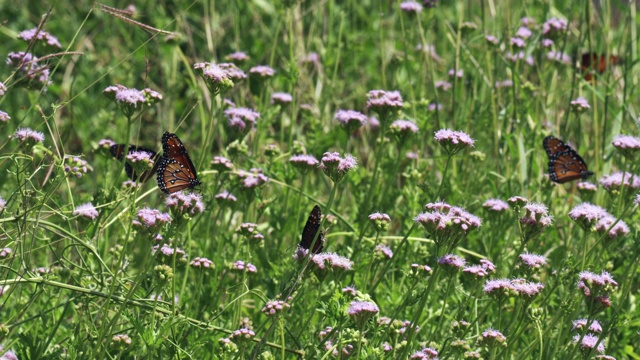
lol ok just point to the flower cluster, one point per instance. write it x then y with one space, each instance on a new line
533 261
304 162
166 253
627 145
380 221
281 98
331 260
240 120
242 267
580 105
426 353
250 232
617 180
501 288
411 7
130 100
201 263
535 219
495 205
384 102
221 164
35 76
29 35
151 219
274 307
336 167
447 224
350 120
554 27
86 210
28 137
453 141
226 198
492 337
402 130
216 78
361 311
4 117
383 252
589 343
596 289
481 270
183 203
252 179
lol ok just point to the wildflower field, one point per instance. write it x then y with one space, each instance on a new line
319 179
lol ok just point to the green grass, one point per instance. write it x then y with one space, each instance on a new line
73 285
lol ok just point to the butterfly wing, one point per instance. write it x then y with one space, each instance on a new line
567 166
553 145
311 228
596 63
175 170
117 151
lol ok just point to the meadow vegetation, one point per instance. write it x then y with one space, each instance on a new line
416 128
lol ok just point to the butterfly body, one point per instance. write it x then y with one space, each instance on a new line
117 151
175 169
311 228
564 163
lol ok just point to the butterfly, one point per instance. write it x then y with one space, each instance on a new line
591 63
117 151
564 163
311 228
175 169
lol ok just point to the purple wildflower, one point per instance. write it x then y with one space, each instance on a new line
351 290
517 42
499 288
476 270
533 260
522 287
418 269
520 55
546 43
581 324
253 178
336 167
517 202
304 162
29 35
446 223
426 353
233 72
281 98
350 120
452 261
495 205
493 337
618 179
453 141
554 26
76 166
380 221
453 73
3 88
612 226
5 252
312 58
587 186
492 40
86 210
241 120
434 106
27 135
151 218
404 126
443 85
226 197
562 58
203 263
182 203
487 265
523 32
238 56
335 261
273 307
242 334
35 75
596 289
580 105
8 355
383 251
4 117
383 102
528 21
386 347
535 219
130 100
221 164
167 253
412 7
587 215
241 266
361 311
262 71
589 342
626 144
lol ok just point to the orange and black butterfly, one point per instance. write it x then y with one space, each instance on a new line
592 63
117 151
564 163
175 169
311 228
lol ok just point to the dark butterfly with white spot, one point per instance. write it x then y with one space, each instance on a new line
175 169
117 151
311 228
564 163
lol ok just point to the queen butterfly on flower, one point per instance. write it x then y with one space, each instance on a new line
175 169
